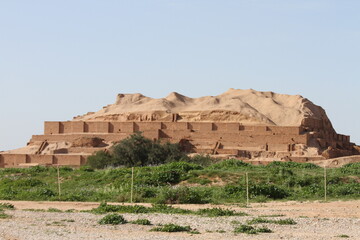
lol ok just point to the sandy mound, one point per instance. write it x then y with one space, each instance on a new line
235 105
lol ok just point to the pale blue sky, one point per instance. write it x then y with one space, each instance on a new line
63 58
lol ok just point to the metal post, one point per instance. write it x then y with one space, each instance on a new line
58 180
247 189
325 184
132 184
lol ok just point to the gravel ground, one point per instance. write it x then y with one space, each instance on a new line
79 225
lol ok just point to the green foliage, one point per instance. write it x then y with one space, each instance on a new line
218 212
343 236
351 168
251 230
113 219
245 229
54 210
268 190
287 221
141 222
4 215
136 150
157 208
183 195
264 230
171 228
106 208
173 182
231 164
8 206
100 160
293 165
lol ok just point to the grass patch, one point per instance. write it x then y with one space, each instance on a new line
272 215
141 222
160 184
218 212
251 230
171 228
53 210
4 215
162 208
112 219
287 221
343 236
7 206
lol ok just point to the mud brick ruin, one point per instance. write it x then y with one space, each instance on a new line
204 126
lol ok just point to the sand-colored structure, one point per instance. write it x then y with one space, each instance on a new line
254 126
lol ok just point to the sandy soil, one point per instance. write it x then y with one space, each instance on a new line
315 220
235 105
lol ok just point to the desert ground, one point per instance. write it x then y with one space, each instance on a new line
315 220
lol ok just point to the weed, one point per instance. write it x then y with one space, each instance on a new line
218 212
245 229
251 230
4 215
141 222
287 221
113 219
171 228
272 215
343 236
53 210
264 230
8 206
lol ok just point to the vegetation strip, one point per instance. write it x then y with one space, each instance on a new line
162 208
287 221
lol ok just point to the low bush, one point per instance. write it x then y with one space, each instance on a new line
171 228
218 212
231 164
287 221
141 222
113 219
136 150
268 190
251 230
8 206
182 195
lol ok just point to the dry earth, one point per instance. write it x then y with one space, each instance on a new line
315 220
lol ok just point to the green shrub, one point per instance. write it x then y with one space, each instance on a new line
54 210
6 206
269 191
292 165
182 195
287 221
113 219
251 230
100 160
264 230
106 208
136 150
141 222
171 228
4 215
351 168
218 212
245 229
231 164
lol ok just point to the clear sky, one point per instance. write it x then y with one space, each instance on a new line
59 59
